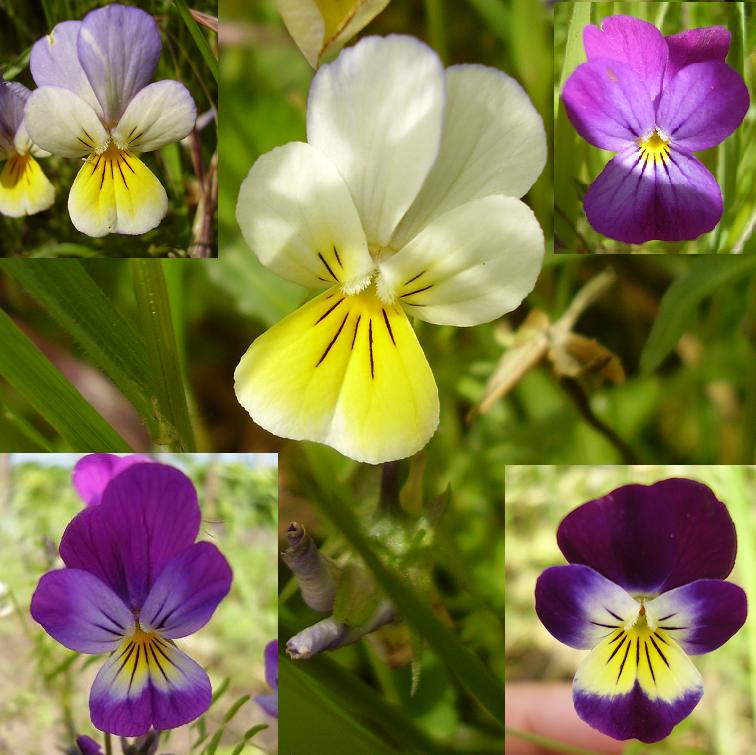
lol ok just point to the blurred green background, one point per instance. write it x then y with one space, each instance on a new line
44 687
51 233
577 164
537 499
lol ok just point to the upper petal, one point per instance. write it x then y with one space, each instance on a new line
148 513
493 143
608 104
62 123
159 114
702 615
187 591
346 371
652 538
470 265
377 112
579 606
11 116
119 48
703 105
93 472
54 61
630 40
297 216
80 611
695 46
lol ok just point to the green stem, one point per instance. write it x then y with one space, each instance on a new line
551 745
108 745
199 38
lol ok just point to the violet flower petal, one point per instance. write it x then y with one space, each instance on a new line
608 104
578 606
701 616
635 201
12 103
119 48
652 538
80 611
695 46
93 472
703 105
269 703
148 513
187 591
630 40
87 746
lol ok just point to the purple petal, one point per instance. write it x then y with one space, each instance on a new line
629 40
93 472
695 46
579 606
608 104
702 615
269 703
11 116
652 538
119 48
187 592
703 105
271 664
87 746
80 611
635 201
148 683
148 514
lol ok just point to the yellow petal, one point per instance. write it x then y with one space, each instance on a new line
115 192
346 371
24 188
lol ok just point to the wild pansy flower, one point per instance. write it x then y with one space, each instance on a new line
135 581
24 188
654 101
403 202
643 590
269 703
95 102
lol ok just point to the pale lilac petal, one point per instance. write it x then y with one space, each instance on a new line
703 105
695 46
630 40
11 117
608 104
80 611
119 48
93 472
187 592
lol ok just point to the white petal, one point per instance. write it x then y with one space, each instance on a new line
493 143
161 113
470 265
298 217
377 112
62 123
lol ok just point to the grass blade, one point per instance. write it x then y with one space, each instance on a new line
198 36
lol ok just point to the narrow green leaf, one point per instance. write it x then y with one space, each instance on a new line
24 366
249 734
199 38
212 745
70 295
547 744
676 314
574 54
222 687
157 330
234 709
494 13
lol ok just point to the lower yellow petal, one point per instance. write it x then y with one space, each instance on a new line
346 371
24 188
115 192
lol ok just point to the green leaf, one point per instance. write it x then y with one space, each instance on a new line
199 38
68 293
249 734
24 366
574 54
234 709
704 277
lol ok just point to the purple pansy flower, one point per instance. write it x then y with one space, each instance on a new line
95 101
643 590
134 582
269 703
654 101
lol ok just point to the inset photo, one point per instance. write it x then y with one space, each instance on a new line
652 128
108 129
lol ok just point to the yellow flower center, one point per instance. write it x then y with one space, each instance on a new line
655 148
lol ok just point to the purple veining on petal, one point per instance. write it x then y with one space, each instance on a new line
695 46
93 472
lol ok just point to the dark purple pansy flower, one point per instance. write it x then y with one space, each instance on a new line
269 703
134 582
93 472
643 590
654 101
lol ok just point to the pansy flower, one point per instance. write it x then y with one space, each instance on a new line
269 703
402 203
643 591
134 582
95 102
654 101
24 188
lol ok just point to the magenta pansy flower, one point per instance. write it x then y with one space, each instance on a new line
643 590
134 582
654 100
269 703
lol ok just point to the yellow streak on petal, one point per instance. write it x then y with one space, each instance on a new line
24 188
